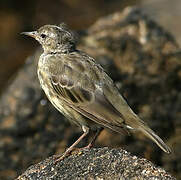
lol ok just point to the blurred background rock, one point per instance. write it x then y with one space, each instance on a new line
17 16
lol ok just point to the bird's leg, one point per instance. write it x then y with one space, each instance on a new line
98 131
67 152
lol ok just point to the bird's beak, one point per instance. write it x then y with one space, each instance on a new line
31 34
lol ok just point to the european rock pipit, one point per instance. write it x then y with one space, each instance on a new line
79 88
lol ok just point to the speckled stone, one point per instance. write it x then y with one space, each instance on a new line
99 164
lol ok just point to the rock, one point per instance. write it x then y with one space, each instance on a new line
102 163
143 60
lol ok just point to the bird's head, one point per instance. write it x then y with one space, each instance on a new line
54 38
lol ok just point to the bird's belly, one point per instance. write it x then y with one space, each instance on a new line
45 83
72 115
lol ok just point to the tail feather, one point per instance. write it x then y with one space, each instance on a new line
150 134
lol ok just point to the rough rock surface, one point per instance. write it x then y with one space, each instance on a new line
142 59
100 164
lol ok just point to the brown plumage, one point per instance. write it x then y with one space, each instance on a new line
79 88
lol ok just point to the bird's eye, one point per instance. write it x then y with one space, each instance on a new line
43 35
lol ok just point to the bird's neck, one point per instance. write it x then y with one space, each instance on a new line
60 50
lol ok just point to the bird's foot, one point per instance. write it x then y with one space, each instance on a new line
71 151
61 157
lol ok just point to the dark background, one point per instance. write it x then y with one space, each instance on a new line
17 16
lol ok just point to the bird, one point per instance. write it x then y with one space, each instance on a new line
81 90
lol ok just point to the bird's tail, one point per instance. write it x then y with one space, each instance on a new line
151 134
